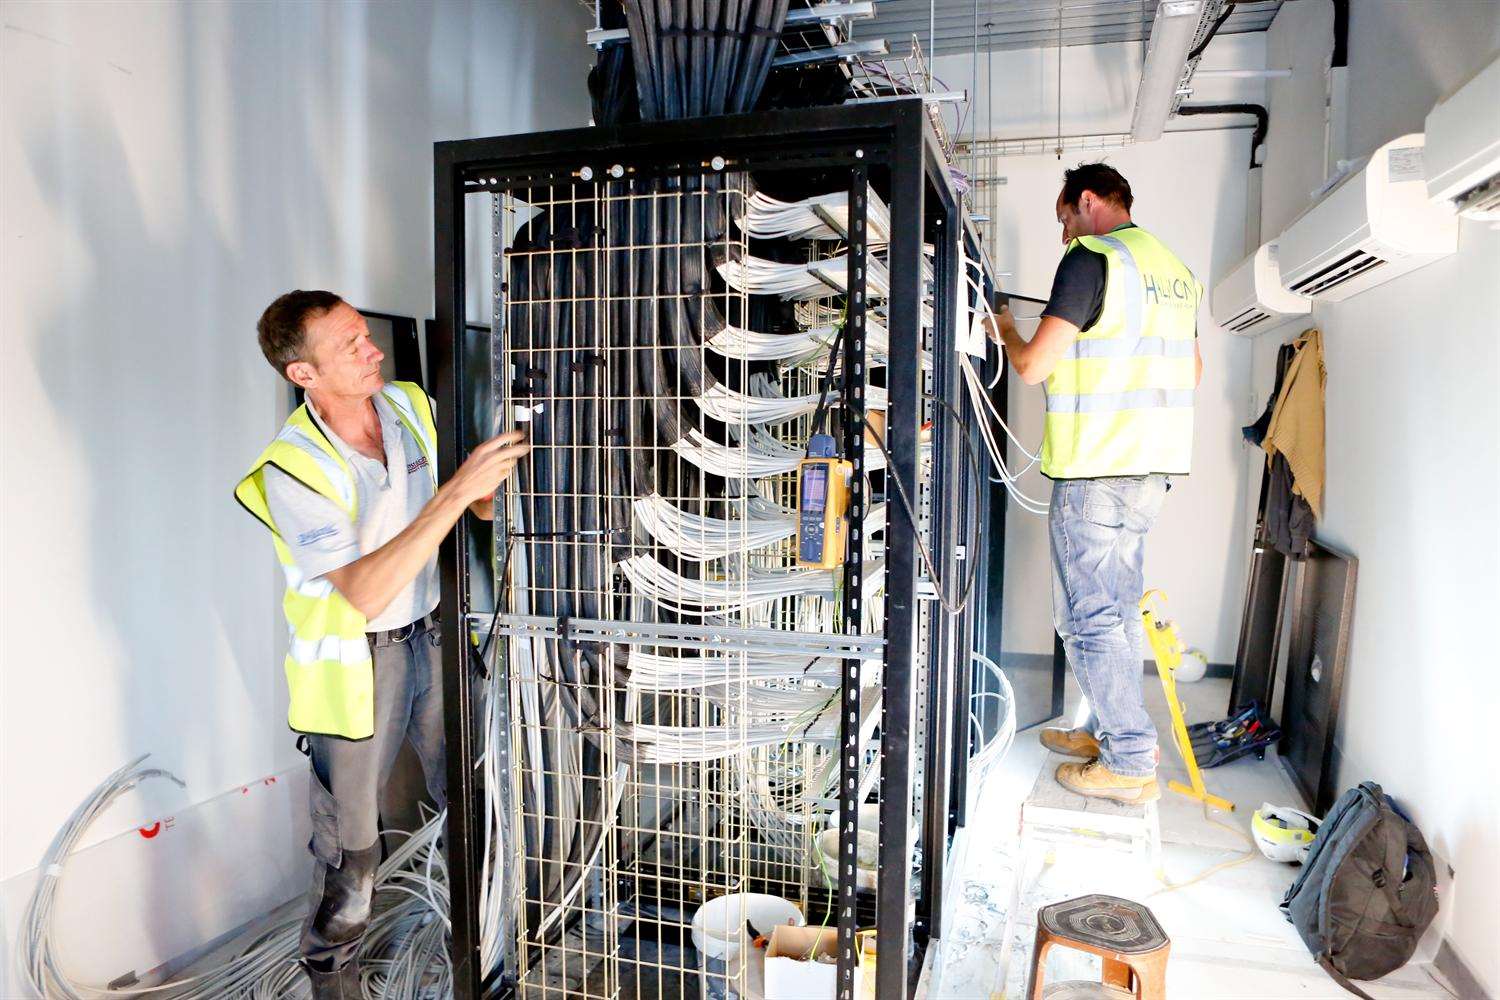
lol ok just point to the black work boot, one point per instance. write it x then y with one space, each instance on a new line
341 984
339 917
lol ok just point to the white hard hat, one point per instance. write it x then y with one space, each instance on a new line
1283 833
1193 666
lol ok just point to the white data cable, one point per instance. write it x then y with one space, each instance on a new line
653 581
819 279
653 672
820 217
405 951
749 345
759 456
766 405
699 538
654 744
992 448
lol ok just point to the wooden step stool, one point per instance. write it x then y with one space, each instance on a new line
1124 934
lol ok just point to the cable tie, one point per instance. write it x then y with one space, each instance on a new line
53 871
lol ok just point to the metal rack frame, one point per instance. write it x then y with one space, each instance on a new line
896 139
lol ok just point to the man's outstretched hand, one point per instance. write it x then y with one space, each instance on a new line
486 468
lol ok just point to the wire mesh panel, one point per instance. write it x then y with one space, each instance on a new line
686 715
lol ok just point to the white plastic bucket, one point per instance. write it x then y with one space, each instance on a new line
722 942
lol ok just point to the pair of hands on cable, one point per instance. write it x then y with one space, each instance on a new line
486 468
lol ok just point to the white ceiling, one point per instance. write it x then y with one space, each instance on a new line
946 27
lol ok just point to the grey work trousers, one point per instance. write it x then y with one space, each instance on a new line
345 784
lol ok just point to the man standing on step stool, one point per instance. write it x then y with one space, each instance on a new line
350 492
1118 348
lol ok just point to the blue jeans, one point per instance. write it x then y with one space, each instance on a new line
1098 531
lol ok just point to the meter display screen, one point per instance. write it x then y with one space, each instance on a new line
815 487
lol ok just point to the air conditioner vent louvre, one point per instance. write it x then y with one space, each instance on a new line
1346 268
1482 198
1245 320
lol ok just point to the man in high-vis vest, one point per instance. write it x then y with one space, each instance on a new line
349 491
1117 346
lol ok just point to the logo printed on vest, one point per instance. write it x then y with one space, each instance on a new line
1165 290
416 466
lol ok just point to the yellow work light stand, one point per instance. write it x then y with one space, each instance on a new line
1161 632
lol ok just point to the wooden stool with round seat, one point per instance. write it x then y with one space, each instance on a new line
1123 934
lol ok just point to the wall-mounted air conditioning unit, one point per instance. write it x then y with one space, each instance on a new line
1250 300
1463 148
1374 226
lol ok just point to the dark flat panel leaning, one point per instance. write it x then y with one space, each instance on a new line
1260 629
1322 614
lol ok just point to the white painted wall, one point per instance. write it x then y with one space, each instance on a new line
168 168
1190 189
1413 442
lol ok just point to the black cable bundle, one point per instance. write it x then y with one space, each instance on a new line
701 57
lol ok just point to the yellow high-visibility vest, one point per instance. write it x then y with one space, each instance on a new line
329 671
1120 402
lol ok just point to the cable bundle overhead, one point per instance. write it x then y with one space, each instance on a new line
707 57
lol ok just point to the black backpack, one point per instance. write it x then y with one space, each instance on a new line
1367 890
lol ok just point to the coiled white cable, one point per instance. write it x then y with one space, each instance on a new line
404 954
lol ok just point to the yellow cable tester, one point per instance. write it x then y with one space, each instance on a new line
822 505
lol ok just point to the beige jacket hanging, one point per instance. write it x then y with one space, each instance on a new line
1296 429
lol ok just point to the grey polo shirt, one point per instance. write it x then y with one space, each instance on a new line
323 538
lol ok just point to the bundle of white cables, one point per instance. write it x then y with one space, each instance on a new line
819 279
750 345
758 456
654 672
972 289
820 217
818 721
699 538
804 347
653 581
766 405
404 955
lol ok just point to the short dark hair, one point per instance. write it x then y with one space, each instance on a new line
282 329
1102 179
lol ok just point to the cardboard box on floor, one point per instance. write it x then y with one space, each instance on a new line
793 971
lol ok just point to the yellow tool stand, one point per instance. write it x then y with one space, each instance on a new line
1161 632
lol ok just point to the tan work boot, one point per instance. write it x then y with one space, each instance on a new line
1097 781
1071 742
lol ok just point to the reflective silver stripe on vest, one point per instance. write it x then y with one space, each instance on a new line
1135 296
1145 347
338 475
1111 402
317 586
330 647
402 404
